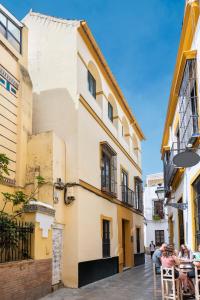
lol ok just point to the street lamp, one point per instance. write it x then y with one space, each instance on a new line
160 192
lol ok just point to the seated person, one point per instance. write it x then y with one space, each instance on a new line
196 255
184 253
196 262
157 256
170 260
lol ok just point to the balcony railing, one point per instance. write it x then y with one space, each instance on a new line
130 199
169 168
127 196
108 185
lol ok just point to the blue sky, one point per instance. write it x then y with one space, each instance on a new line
139 40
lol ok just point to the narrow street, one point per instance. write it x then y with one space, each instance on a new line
134 284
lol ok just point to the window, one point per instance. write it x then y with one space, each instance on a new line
138 239
124 186
159 237
110 112
92 84
158 209
188 111
106 238
138 194
10 31
108 170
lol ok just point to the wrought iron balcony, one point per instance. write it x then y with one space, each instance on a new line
130 198
108 185
127 196
169 168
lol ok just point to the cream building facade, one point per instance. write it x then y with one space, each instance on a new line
182 131
87 144
156 221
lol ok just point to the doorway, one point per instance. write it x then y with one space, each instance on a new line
125 243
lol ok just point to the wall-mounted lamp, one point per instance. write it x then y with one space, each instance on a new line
160 192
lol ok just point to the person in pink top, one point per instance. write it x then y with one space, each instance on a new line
170 260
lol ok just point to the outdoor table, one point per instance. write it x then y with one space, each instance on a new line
186 266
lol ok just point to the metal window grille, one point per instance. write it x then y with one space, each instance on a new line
92 84
138 194
159 237
128 196
169 168
15 241
188 125
106 238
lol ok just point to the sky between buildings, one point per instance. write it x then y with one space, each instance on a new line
139 40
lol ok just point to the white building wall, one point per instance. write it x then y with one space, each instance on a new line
150 224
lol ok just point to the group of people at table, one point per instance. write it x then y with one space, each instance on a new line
184 262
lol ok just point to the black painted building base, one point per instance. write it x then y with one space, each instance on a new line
93 270
139 259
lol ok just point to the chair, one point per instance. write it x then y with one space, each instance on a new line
197 282
171 287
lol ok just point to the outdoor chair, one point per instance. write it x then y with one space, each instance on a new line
197 282
171 287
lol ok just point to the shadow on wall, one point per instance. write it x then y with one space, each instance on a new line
55 110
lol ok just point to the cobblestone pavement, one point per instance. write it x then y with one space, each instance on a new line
134 284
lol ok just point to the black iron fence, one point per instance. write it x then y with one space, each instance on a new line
15 240
127 196
131 198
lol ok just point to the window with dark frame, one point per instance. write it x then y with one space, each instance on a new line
10 31
138 194
106 238
159 237
108 170
92 84
188 110
138 239
158 209
124 186
110 112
